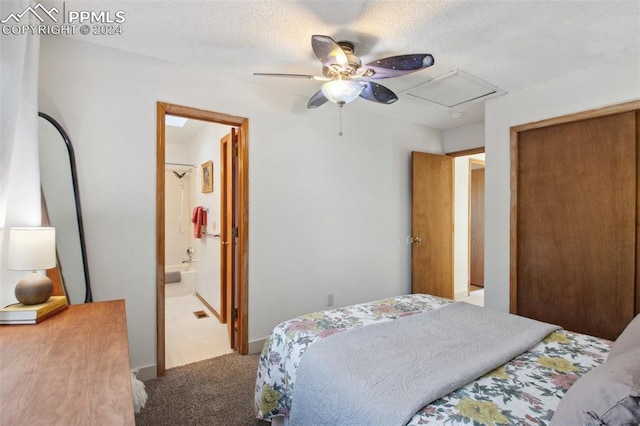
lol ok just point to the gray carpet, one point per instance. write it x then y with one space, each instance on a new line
217 391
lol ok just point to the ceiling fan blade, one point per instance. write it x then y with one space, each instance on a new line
375 92
328 51
317 100
396 66
306 76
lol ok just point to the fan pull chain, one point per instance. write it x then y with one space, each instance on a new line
340 105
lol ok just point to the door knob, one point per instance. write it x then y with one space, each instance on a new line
416 240
225 243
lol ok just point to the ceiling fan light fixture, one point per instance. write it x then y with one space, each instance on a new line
341 57
344 73
342 91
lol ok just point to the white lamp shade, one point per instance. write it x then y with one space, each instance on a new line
341 91
31 249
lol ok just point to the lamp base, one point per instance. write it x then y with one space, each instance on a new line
34 289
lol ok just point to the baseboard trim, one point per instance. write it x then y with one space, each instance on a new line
151 371
147 373
213 311
255 346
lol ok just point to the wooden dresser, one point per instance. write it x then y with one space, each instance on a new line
70 369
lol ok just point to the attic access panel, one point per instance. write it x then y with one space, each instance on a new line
454 88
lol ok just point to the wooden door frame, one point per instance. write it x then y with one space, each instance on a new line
162 110
466 153
514 134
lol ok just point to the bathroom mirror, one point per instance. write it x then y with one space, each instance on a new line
62 203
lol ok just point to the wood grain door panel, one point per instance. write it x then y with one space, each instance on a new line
432 223
576 224
476 227
227 239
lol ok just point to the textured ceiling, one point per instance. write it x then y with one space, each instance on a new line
509 44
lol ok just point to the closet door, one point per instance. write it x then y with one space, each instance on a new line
576 224
476 226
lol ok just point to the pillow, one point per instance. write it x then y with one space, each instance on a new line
607 395
628 339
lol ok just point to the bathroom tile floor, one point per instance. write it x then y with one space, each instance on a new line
189 339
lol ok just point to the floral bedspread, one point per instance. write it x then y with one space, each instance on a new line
524 391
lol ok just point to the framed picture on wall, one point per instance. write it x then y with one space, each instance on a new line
207 176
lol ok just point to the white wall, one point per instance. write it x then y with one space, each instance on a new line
463 138
206 146
461 224
327 214
573 93
461 227
178 229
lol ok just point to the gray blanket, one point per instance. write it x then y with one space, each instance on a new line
382 374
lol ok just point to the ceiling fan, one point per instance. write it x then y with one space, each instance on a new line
346 78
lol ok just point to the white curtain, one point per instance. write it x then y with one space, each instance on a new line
19 170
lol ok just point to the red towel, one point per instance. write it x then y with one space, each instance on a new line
199 220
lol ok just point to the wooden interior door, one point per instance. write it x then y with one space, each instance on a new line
432 224
476 223
227 238
576 224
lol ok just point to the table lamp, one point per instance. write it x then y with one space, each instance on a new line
32 249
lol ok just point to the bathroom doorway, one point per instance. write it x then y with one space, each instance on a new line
195 237
194 326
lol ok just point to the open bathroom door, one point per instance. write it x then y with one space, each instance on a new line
228 235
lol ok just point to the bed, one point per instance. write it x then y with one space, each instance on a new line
526 389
